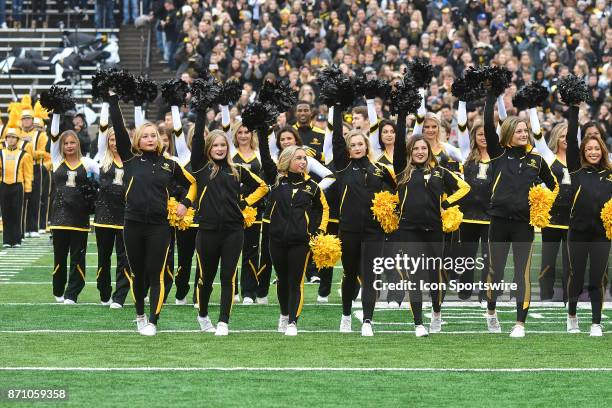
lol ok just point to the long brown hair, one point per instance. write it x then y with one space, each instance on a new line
208 143
430 162
474 152
604 162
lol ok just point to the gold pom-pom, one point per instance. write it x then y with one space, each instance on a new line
606 217
326 250
182 223
384 208
250 215
541 201
452 218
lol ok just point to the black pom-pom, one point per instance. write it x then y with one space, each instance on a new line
530 96
279 94
466 93
420 72
124 84
405 98
338 91
373 88
146 91
56 99
497 78
89 191
573 90
329 73
204 93
230 92
257 114
102 82
174 91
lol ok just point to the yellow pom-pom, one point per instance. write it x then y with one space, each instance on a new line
172 206
606 217
182 223
326 250
250 215
451 219
384 208
541 201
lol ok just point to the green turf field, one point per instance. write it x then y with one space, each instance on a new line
96 354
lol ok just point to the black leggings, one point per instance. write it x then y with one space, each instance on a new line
265 262
358 253
169 275
11 202
75 242
290 262
249 272
472 237
33 203
552 238
147 247
502 232
425 244
106 238
44 198
326 274
585 245
212 247
185 246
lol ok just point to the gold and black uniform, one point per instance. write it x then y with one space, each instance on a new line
16 167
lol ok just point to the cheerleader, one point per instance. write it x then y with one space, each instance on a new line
295 199
386 141
16 171
219 217
359 179
515 170
109 217
146 231
70 216
591 177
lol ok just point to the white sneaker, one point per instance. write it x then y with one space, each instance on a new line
322 299
315 279
393 305
435 326
596 330
345 324
34 234
206 325
291 330
262 300
182 301
116 305
17 246
69 302
283 321
42 231
146 299
420 331
59 299
222 329
572 325
196 306
6 246
493 323
148 330
107 303
358 295
517 331
141 322
366 330
247 301
236 298
27 235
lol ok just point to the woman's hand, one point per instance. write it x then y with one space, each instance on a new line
181 210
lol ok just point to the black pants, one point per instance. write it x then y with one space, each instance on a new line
472 238
358 253
106 238
11 202
75 242
44 198
213 247
425 244
249 272
327 274
265 262
502 233
185 247
147 247
169 275
395 276
290 262
585 245
33 206
552 239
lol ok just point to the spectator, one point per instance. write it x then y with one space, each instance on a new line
104 14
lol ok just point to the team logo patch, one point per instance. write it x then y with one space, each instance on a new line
532 163
437 173
166 167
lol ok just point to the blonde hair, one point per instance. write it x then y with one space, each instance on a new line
209 139
357 132
555 134
284 160
433 117
254 138
138 135
109 157
507 130
63 137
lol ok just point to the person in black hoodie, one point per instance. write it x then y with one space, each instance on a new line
359 179
591 174
516 168
146 230
219 218
294 200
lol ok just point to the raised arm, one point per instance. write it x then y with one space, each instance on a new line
197 143
138 116
420 116
225 123
573 150
501 112
493 147
328 152
464 135
341 158
272 147
124 145
56 156
270 170
102 137
374 133
400 160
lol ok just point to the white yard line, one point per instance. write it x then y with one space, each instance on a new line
314 369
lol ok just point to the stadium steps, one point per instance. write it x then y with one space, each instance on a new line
66 17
